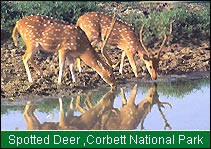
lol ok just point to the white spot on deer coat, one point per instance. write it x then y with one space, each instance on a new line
36 45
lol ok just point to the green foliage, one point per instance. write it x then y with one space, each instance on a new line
177 89
190 26
67 11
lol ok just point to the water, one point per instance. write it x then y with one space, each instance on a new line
190 101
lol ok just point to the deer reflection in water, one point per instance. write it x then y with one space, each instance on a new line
153 97
102 115
92 116
34 124
130 115
86 120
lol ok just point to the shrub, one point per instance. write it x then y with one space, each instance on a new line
67 11
189 26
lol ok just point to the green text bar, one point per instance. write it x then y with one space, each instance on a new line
105 139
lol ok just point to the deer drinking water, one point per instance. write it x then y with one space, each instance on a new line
96 26
50 34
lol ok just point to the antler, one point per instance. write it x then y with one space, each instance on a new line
107 36
142 44
160 104
164 40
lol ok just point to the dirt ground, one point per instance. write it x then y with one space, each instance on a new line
176 60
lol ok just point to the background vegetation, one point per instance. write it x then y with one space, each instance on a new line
191 23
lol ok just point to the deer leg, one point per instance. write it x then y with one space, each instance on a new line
62 54
71 65
78 106
132 62
124 101
37 69
62 118
142 121
78 61
70 112
31 120
132 98
30 52
87 100
72 71
121 64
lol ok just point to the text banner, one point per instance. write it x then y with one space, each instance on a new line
105 139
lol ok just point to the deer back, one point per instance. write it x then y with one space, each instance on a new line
96 25
43 30
51 34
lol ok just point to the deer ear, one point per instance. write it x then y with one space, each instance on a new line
145 57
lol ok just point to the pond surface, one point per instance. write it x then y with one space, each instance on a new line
175 105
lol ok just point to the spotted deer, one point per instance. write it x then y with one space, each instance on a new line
97 24
50 34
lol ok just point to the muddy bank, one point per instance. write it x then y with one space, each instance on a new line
176 61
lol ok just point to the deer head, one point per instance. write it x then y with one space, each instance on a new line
152 60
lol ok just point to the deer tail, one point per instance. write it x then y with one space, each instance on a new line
14 35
